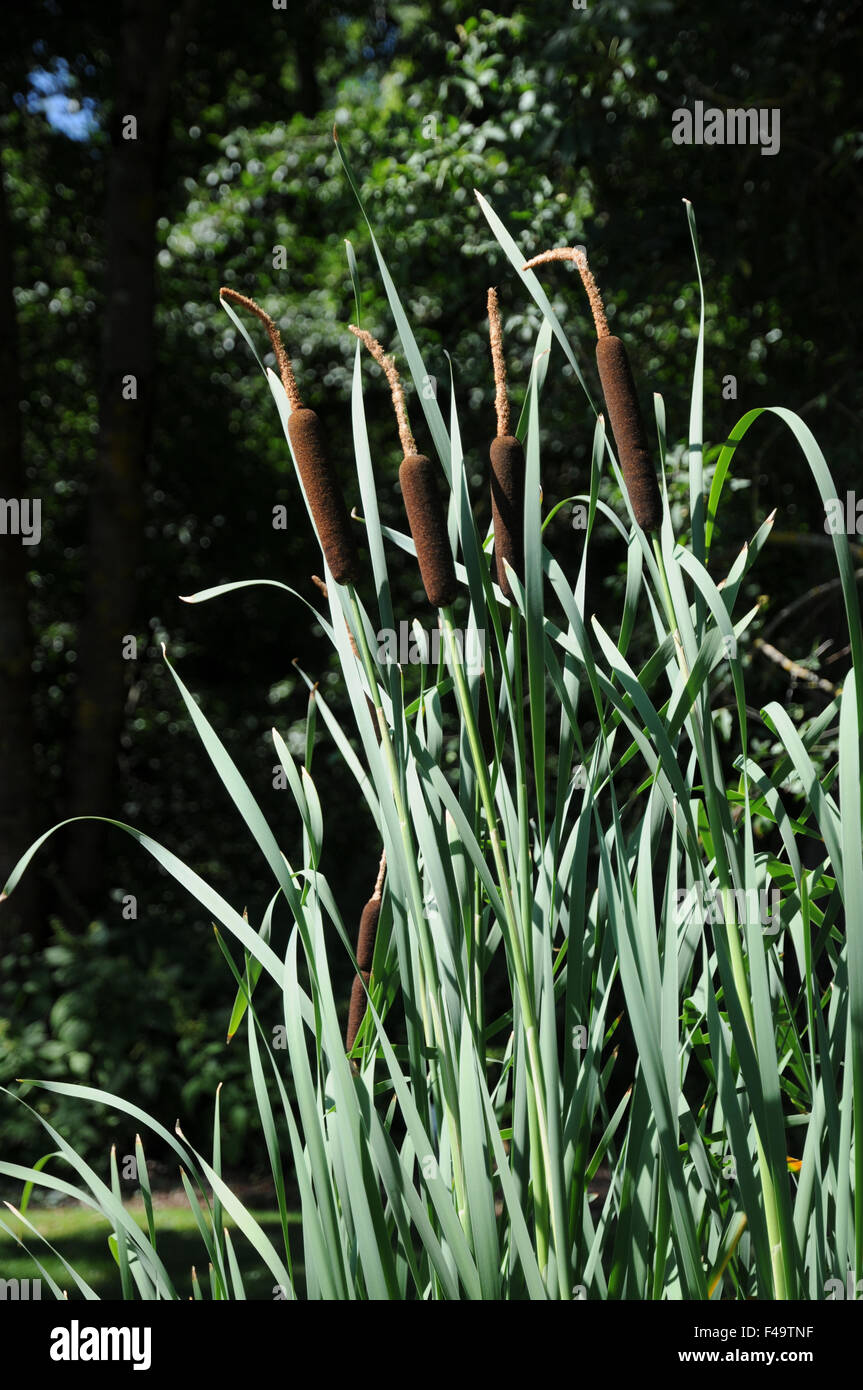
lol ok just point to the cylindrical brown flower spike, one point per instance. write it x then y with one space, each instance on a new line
507 507
428 529
507 468
365 955
326 501
423 505
621 400
627 425
325 496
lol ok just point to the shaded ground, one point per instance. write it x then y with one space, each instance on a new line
81 1235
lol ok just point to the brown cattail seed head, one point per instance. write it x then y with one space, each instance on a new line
507 506
325 496
367 933
620 398
627 426
428 528
356 1010
365 956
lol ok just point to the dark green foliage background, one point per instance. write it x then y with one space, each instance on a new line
562 118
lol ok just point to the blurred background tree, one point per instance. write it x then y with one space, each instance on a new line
112 251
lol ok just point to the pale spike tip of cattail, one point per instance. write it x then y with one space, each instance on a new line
501 400
388 365
286 374
507 467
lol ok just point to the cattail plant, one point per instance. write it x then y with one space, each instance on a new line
507 468
365 955
621 398
420 491
458 1157
321 486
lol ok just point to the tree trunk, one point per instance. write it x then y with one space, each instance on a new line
17 770
149 46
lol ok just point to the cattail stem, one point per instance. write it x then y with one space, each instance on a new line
369 703
319 583
621 399
283 361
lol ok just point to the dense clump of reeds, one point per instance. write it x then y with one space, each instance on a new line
507 468
621 398
423 505
458 1157
321 486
